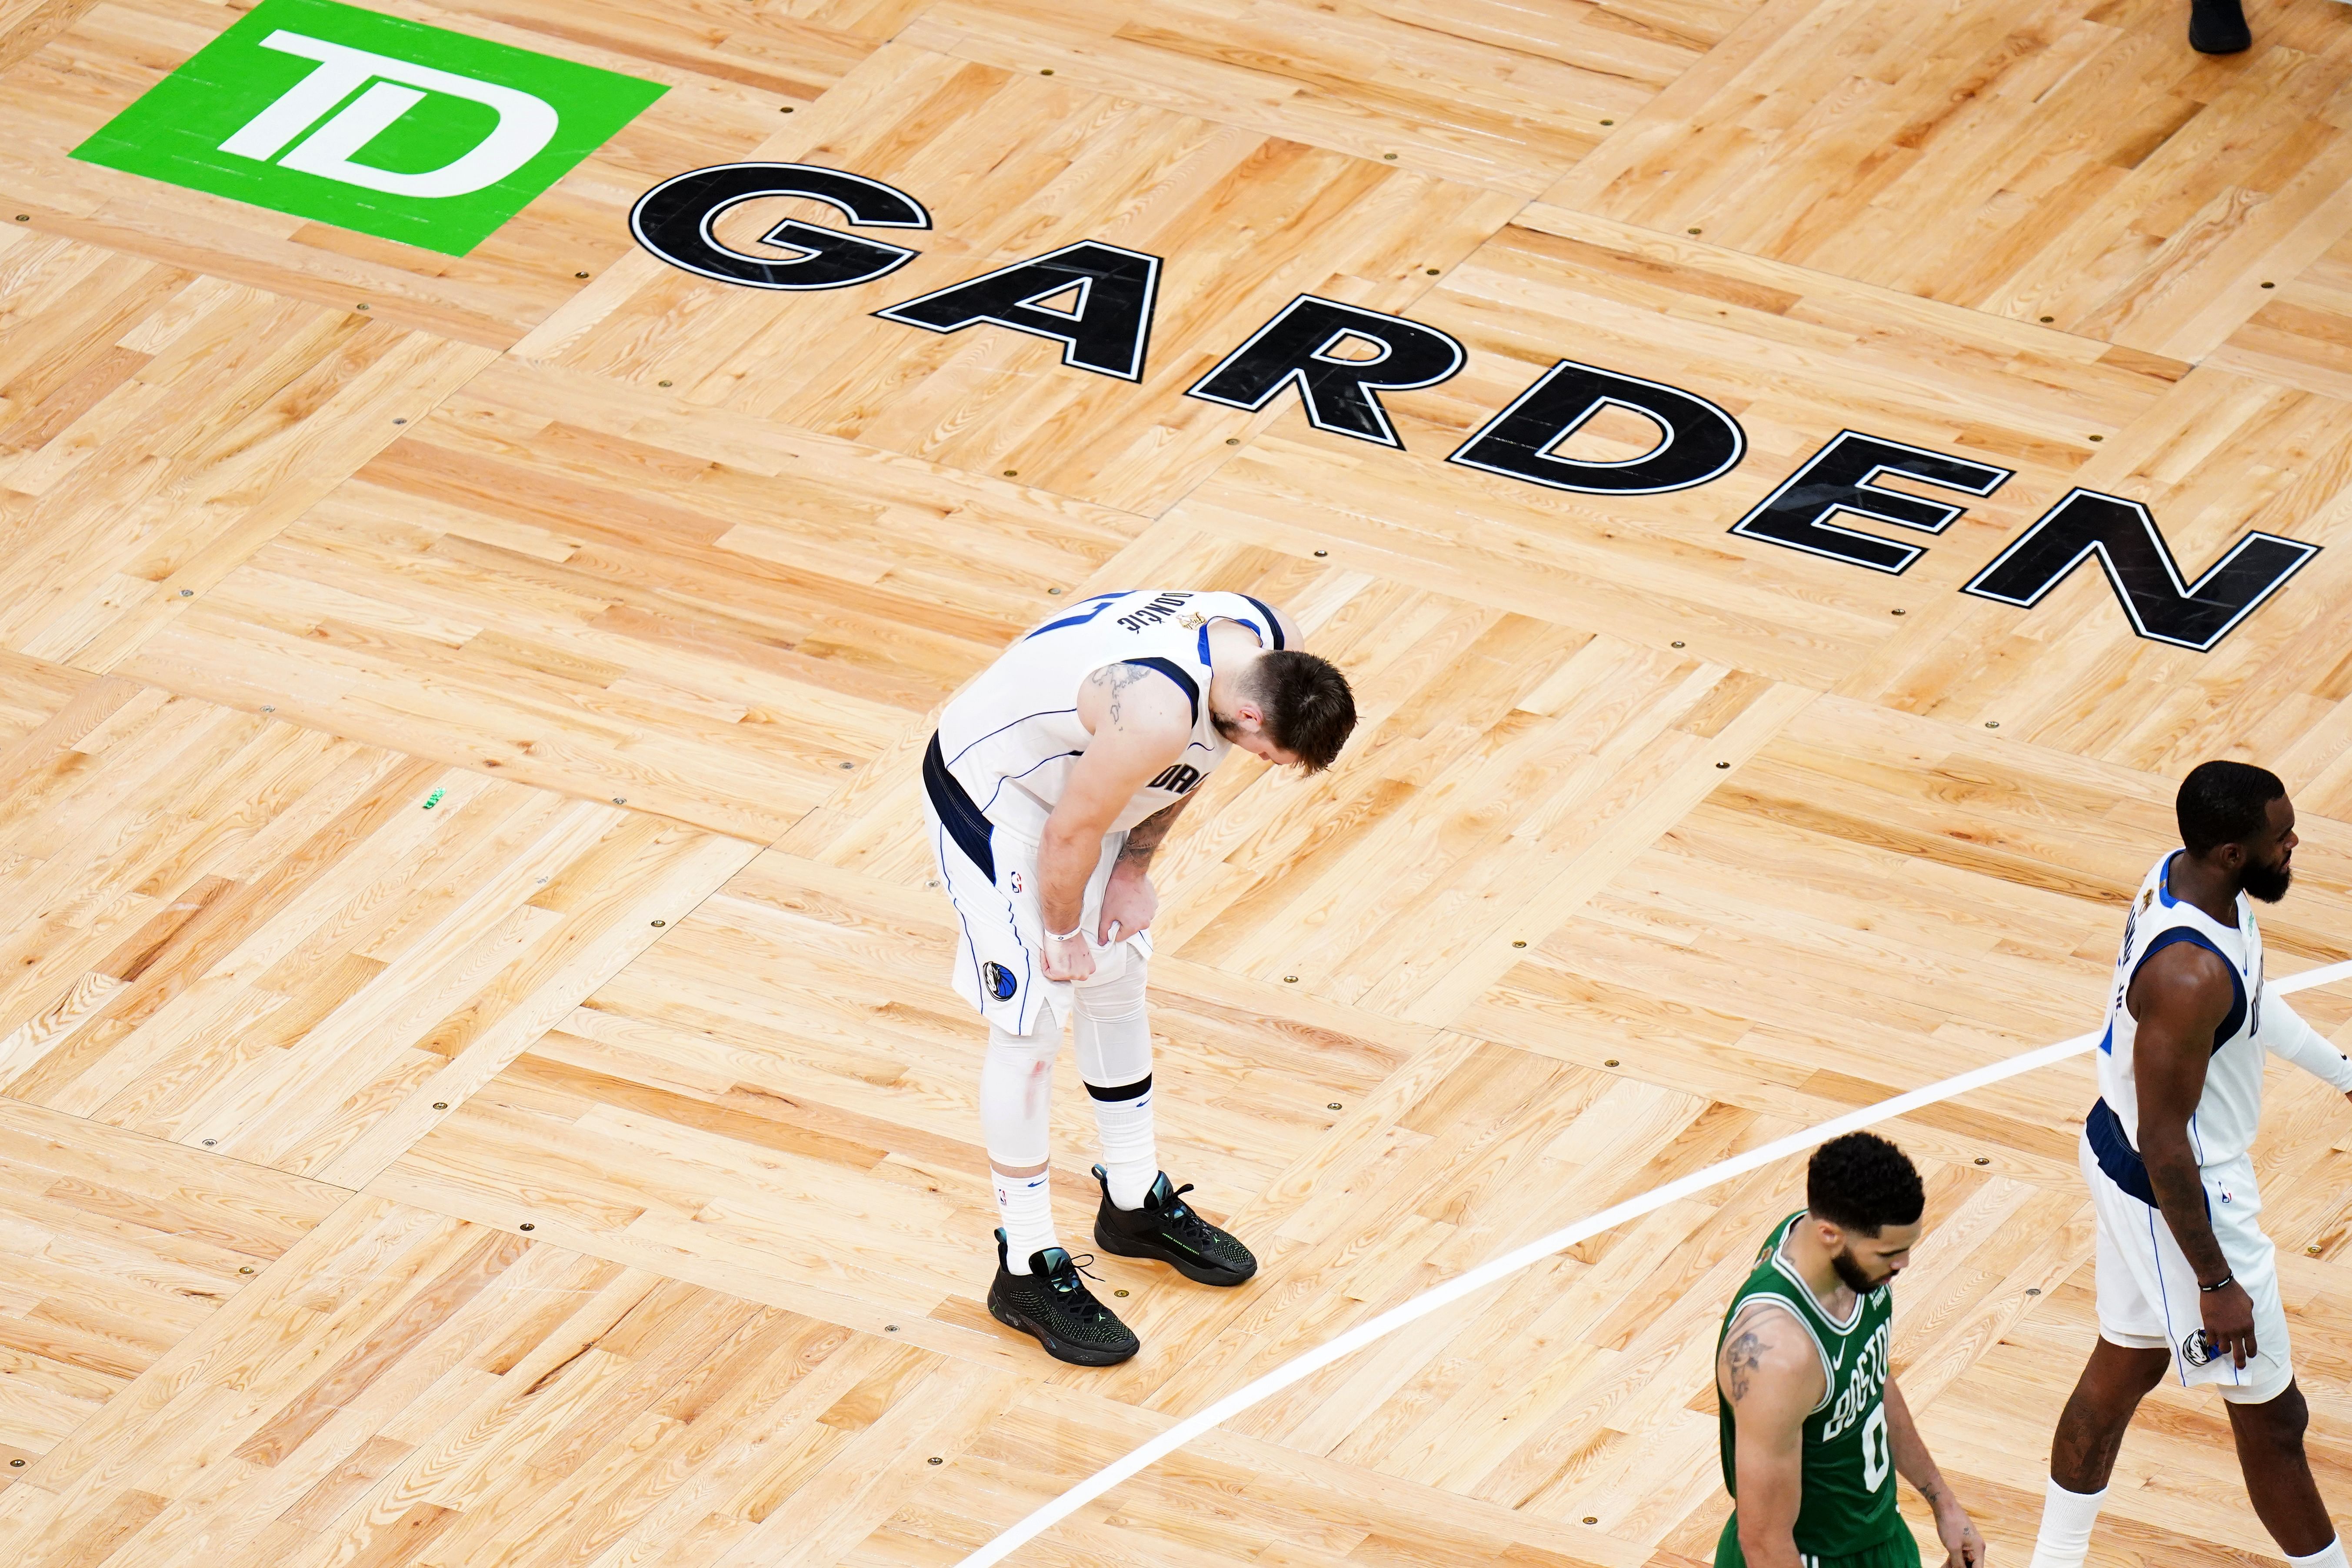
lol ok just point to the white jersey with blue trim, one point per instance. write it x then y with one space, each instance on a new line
2232 1106
1012 736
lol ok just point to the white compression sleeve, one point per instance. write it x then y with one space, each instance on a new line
1016 1106
2065 1537
2285 1035
1113 1028
1016 1093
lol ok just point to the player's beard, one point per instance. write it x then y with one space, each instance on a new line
1850 1272
2267 883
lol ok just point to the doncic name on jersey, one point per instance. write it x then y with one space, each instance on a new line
1106 329
1161 608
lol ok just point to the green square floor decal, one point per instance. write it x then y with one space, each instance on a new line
370 122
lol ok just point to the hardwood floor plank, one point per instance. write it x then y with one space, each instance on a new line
461 721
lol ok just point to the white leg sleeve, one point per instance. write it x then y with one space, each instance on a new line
2064 1539
1016 1103
1016 1094
1114 1034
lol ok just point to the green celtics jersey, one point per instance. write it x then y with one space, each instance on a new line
1848 1507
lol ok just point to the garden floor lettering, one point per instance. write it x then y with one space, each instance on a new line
1097 299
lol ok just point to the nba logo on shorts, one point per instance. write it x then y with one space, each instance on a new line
998 981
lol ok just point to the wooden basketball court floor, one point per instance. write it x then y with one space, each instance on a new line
476 1083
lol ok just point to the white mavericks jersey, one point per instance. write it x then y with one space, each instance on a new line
2226 1116
1011 738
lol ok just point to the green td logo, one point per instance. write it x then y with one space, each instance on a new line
370 122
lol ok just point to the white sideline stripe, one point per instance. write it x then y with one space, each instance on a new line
1510 1263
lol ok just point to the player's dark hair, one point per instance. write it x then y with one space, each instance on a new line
2224 803
1863 1184
1309 712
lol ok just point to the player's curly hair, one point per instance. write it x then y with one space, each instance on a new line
2224 803
1863 1184
1310 710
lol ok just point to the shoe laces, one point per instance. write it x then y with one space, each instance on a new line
1182 1214
1066 1282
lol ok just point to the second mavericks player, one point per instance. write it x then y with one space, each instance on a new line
2188 1284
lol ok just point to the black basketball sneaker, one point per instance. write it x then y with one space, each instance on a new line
1052 1304
2217 28
1167 1228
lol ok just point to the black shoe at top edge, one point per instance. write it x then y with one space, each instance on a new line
2219 27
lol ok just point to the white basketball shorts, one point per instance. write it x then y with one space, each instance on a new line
2148 1293
991 876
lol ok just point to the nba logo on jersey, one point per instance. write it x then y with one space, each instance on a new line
998 981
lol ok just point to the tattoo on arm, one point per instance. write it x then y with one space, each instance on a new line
1116 679
1144 839
1741 1359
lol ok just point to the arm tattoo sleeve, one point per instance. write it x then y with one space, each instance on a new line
1741 1359
1144 839
1118 678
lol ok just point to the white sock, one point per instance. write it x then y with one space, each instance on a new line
1130 1156
1024 1207
2328 1556
1113 1030
2064 1539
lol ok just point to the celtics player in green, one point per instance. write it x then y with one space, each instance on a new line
1815 1430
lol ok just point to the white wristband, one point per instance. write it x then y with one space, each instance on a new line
1069 935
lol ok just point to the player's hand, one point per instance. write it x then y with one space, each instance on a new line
1068 957
1128 903
1964 1547
2230 1322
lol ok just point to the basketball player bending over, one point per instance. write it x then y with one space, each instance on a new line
1815 1429
1052 780
2187 1282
